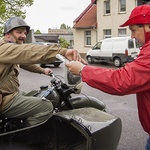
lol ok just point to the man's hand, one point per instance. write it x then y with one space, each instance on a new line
47 71
73 54
75 67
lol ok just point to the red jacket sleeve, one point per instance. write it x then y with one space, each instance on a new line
133 78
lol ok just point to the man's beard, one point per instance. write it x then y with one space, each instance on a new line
20 41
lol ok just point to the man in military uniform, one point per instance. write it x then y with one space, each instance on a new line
14 53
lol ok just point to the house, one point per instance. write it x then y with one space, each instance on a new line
45 37
52 36
101 19
66 34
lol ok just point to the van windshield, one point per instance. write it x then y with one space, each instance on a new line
130 43
97 45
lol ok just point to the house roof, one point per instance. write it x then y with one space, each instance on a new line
46 37
88 18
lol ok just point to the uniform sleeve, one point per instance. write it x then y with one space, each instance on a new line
132 78
29 53
32 68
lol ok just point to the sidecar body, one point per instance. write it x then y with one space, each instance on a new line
76 129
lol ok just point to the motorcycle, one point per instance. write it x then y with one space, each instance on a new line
79 122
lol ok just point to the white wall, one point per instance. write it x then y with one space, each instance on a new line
79 39
104 22
113 20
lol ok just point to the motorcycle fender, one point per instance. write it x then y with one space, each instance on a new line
100 129
87 101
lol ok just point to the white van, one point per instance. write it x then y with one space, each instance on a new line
116 50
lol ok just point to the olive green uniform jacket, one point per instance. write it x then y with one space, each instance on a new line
13 56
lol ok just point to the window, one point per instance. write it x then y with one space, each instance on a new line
106 7
122 32
136 2
107 33
122 5
87 37
97 46
130 43
137 44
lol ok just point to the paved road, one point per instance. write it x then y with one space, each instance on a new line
133 137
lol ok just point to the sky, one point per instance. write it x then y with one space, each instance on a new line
45 14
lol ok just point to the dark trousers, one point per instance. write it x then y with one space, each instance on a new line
35 109
147 147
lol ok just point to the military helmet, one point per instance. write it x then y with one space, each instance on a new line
15 22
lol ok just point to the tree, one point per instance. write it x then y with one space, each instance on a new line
10 8
64 26
64 43
37 32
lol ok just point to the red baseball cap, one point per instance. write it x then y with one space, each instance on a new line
139 15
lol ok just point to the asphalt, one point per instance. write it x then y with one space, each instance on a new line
125 107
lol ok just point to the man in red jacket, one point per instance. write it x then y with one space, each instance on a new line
131 79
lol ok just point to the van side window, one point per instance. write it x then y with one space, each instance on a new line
97 46
130 43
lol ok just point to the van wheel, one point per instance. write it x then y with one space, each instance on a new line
89 59
117 62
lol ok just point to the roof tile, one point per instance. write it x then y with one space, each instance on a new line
88 19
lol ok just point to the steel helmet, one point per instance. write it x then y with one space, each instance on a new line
15 22
139 15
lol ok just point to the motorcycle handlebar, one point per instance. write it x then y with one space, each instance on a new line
58 83
51 74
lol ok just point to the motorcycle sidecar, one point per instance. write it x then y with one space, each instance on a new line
77 129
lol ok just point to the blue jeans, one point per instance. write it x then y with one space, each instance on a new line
147 147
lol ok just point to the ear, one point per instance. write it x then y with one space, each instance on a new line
147 27
7 35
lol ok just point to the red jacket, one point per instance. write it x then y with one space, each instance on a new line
131 79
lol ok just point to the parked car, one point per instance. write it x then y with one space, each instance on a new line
116 50
57 62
